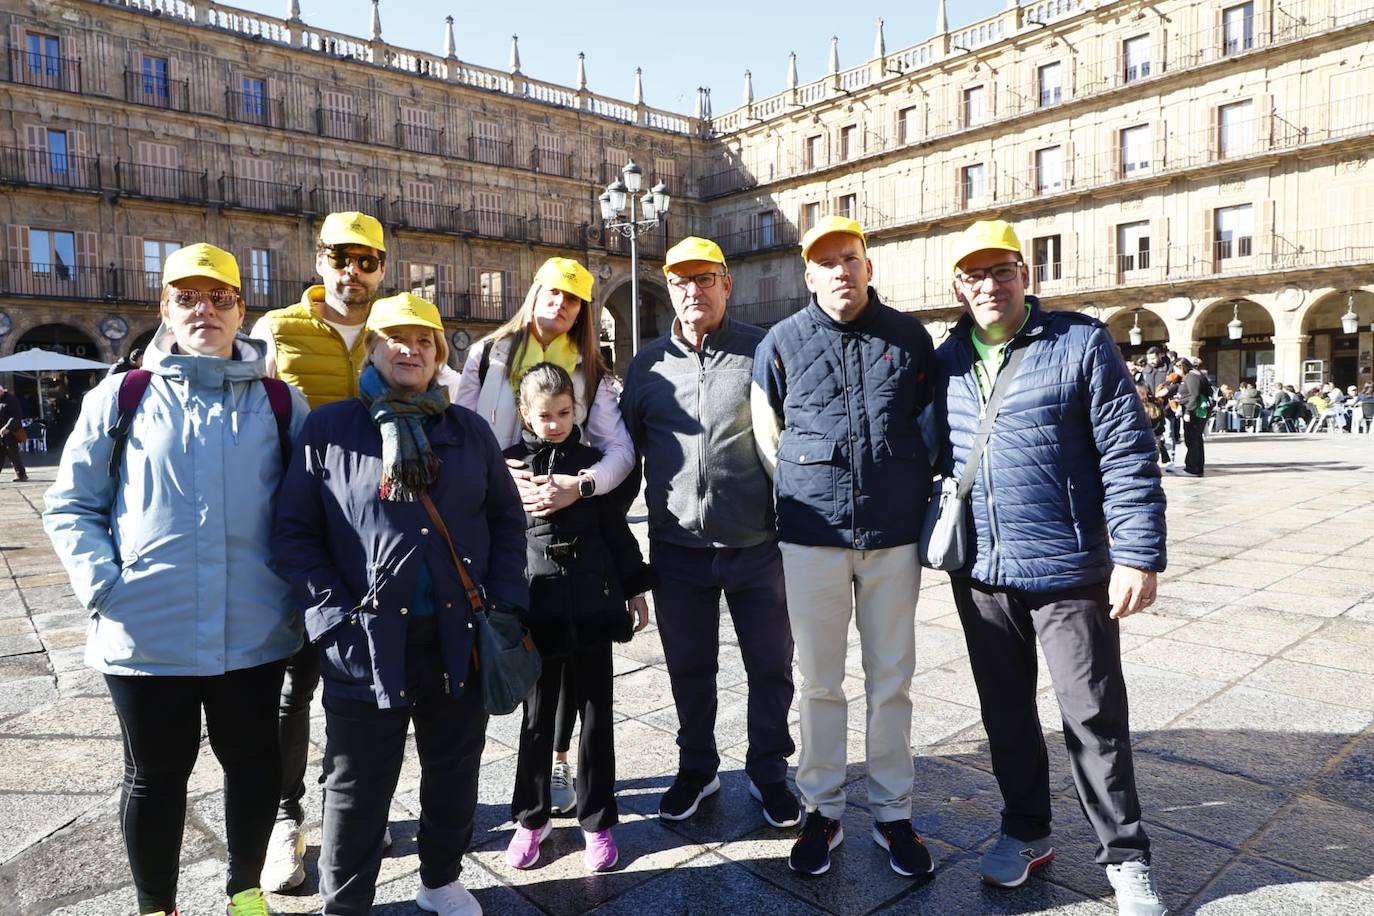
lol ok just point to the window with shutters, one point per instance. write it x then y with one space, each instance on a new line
1133 246
486 142
849 142
974 109
43 64
490 288
488 215
813 152
1135 149
973 185
253 100
1047 258
254 182
158 169
809 216
1238 28
1050 78
548 153
554 227
421 209
614 159
339 116
768 289
58 163
1234 232
847 205
154 85
908 124
665 170
342 190
1049 169
423 280
766 229
52 253
258 289
1236 133
1135 56
416 131
155 253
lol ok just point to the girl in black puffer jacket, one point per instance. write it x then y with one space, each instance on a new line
587 579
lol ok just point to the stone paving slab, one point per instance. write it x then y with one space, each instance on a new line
1252 697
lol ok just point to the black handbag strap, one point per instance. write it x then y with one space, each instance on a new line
980 444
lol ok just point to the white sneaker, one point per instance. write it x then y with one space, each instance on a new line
284 868
562 792
1135 889
449 900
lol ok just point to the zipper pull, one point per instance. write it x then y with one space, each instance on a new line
446 684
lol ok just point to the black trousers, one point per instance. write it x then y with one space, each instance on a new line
687 611
10 449
588 687
364 747
1194 460
566 719
159 718
1082 649
297 690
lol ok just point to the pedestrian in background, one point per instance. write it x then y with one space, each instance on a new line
11 425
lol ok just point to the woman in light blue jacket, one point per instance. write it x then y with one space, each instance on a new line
161 513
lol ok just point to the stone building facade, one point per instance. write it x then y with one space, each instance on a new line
1171 165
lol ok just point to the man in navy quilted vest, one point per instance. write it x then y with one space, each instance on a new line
1067 537
838 391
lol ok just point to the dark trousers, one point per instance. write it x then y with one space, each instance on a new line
1082 649
588 690
297 690
687 610
364 746
159 718
10 449
1194 460
566 719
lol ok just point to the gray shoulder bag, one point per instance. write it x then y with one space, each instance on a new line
944 532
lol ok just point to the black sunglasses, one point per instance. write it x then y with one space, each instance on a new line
367 263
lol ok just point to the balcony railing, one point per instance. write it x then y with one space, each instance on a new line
758 239
266 196
561 232
161 182
143 287
481 307
766 312
261 295
490 151
49 169
323 200
497 224
341 125
157 91
415 214
725 181
53 281
253 108
418 139
45 70
552 162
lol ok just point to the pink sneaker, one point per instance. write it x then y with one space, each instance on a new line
523 850
601 854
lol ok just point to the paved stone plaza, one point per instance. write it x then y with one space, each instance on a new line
1252 689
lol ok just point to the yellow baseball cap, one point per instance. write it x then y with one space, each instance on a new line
352 228
201 260
692 248
994 234
829 225
567 275
404 309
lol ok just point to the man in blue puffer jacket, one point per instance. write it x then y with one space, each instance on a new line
1067 536
838 390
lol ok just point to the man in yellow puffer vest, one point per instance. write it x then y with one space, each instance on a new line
317 345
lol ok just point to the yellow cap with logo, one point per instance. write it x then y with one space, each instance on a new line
404 309
692 248
201 260
352 228
984 235
568 275
829 225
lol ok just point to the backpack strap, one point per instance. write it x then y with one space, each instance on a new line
132 387
279 396
484 364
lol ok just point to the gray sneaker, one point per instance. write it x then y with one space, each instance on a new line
1135 889
1009 863
562 793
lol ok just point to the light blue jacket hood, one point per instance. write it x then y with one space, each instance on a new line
171 556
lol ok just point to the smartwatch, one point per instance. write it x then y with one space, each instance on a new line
586 486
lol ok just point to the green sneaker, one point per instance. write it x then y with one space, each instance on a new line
247 903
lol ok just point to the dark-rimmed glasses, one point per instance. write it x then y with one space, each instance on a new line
1002 273
367 263
703 281
221 299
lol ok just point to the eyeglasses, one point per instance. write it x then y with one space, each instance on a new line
367 263
221 299
703 281
1002 273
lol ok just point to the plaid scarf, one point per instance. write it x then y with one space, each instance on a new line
409 466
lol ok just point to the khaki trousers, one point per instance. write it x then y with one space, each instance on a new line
879 587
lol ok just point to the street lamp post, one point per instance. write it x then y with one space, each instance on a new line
619 195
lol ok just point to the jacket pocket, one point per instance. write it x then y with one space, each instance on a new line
345 654
807 472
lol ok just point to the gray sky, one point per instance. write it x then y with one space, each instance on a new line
726 39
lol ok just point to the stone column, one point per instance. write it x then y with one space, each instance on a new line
1289 352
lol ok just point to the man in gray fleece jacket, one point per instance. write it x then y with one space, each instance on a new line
686 404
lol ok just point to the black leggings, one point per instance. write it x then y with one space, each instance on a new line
160 721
